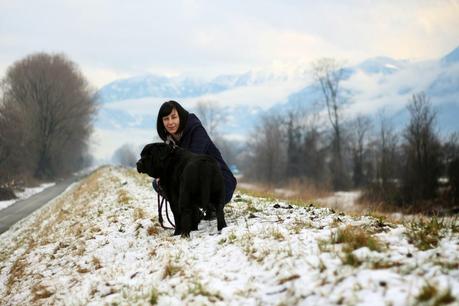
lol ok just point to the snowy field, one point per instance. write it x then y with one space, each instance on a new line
27 193
99 243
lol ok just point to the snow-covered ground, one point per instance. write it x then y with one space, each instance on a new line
99 243
28 192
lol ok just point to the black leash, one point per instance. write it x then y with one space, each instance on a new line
161 202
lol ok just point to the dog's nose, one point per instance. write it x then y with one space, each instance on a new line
139 166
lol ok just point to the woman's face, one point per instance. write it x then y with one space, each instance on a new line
172 122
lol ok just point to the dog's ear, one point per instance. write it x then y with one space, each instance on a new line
146 149
165 150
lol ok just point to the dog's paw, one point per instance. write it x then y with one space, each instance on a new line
185 235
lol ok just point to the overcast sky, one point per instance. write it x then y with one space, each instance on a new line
117 38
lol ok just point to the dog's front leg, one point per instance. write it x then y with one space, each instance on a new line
186 214
221 223
176 212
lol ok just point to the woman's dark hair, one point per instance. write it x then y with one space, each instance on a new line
164 111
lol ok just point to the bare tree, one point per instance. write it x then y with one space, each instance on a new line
386 169
125 156
15 158
54 105
267 151
361 127
422 151
294 145
451 162
383 167
210 114
329 74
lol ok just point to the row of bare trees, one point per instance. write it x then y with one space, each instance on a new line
46 111
404 166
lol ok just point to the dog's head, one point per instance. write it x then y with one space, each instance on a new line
152 159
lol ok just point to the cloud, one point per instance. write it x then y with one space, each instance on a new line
373 92
113 38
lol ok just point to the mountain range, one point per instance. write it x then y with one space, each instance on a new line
371 86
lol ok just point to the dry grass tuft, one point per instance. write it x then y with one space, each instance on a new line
82 270
430 293
124 197
198 289
426 233
276 234
154 296
153 230
355 237
41 292
171 269
139 213
96 262
299 224
16 273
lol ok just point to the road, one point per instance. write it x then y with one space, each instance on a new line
23 208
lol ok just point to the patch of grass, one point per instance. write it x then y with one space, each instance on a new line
430 293
197 288
16 273
355 237
424 234
141 179
350 259
139 213
230 239
277 234
299 224
336 222
170 269
154 296
124 197
82 270
153 230
381 265
40 291
324 245
96 262
381 222
90 185
250 208
453 225
448 265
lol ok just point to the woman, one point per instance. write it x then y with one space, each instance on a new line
174 124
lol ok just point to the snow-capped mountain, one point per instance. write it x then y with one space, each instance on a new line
180 87
452 57
374 84
384 65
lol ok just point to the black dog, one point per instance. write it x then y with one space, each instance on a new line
190 181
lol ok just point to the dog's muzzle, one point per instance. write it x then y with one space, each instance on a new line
139 165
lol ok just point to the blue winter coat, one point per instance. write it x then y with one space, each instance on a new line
195 139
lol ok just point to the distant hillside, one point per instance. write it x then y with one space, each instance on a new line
371 86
